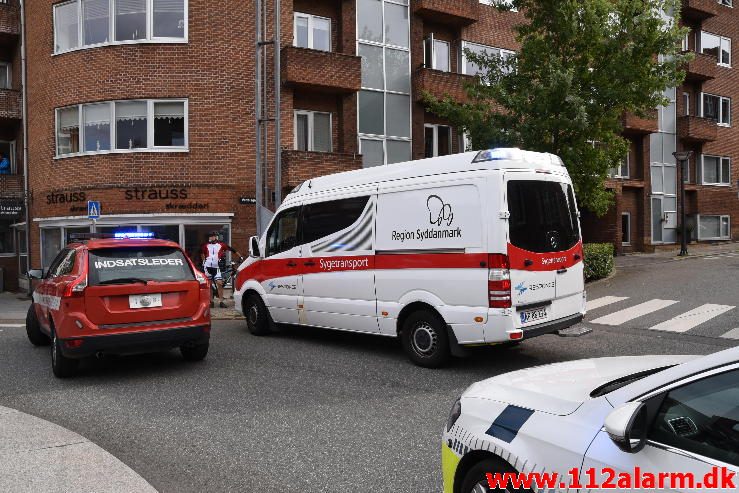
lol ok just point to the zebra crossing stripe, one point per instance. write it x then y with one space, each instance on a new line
627 314
693 318
604 301
732 334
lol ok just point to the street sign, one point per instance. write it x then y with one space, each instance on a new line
247 200
93 209
11 208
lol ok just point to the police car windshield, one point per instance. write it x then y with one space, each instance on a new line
543 216
135 265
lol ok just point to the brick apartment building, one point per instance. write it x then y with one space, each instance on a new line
148 106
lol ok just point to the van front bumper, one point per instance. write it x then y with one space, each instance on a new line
136 342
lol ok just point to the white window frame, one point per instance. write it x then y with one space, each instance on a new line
686 103
435 128
722 218
722 40
149 39
618 171
311 129
628 221
310 18
466 44
726 3
721 159
149 129
430 43
499 2
720 108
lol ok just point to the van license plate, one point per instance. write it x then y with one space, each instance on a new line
530 316
136 301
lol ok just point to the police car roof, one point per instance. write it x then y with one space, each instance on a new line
492 159
125 243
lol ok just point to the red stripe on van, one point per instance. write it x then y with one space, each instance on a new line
544 261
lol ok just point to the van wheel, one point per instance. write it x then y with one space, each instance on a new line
195 353
62 366
425 339
475 481
257 316
33 328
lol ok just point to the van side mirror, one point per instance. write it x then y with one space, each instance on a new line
254 247
35 274
627 426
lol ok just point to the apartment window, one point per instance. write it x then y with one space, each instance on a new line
471 68
6 80
716 108
686 103
312 31
131 125
438 140
86 23
508 3
716 46
312 131
714 227
437 54
626 228
727 3
622 170
716 170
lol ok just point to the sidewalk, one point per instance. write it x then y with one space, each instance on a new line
13 308
37 456
635 260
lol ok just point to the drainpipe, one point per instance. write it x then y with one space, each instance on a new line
24 102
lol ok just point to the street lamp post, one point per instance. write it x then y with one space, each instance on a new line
682 158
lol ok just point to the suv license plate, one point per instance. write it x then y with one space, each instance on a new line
530 316
136 301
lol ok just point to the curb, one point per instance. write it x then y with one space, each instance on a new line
70 461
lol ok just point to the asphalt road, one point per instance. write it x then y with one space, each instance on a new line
306 410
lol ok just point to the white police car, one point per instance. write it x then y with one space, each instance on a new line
597 424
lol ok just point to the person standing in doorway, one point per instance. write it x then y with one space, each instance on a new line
212 253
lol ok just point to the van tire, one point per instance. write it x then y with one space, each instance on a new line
62 366
477 475
195 353
258 320
33 328
424 338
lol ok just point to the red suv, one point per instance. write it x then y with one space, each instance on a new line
119 296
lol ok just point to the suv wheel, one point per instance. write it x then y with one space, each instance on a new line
62 366
475 481
195 353
257 317
33 328
424 338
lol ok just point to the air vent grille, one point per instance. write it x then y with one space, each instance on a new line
683 426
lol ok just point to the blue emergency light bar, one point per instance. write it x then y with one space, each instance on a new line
134 236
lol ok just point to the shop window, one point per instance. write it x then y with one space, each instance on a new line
169 232
196 236
51 244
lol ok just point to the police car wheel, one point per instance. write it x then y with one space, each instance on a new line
62 366
33 329
194 353
425 339
257 316
475 481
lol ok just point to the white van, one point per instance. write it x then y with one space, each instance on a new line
463 250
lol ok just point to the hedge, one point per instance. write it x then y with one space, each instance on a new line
598 260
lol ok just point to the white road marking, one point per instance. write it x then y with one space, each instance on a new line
12 326
604 301
693 318
732 334
627 314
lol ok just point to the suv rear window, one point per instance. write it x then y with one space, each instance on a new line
122 265
543 216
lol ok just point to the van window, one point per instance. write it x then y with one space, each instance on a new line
283 233
129 264
326 218
543 216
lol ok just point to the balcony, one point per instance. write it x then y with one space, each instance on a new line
10 105
440 84
697 130
698 10
450 12
321 71
10 23
299 166
636 125
703 67
11 186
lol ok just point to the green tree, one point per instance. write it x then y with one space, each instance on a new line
581 66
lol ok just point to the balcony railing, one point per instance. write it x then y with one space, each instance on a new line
702 67
10 19
440 84
10 104
637 125
699 9
299 166
11 186
696 129
454 12
323 71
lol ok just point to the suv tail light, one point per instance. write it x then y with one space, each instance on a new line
499 281
75 287
202 280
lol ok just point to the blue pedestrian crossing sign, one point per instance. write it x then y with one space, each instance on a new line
93 209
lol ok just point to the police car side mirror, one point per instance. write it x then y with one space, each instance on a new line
627 426
254 247
35 274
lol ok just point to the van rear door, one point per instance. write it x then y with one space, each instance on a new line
544 248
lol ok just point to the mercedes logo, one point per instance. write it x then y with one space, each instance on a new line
145 301
553 241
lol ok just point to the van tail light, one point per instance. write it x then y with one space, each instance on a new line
75 287
499 281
